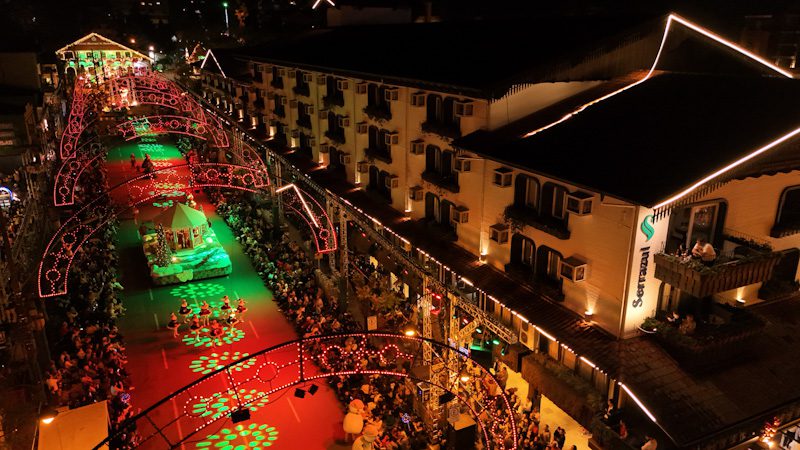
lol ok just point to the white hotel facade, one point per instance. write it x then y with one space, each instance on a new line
532 172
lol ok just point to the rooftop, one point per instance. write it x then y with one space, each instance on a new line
481 58
665 133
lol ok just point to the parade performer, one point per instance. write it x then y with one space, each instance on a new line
232 321
215 332
226 303
205 312
173 324
195 327
241 309
184 310
354 420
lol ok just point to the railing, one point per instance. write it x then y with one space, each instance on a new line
699 280
248 383
445 182
443 129
531 217
378 112
379 154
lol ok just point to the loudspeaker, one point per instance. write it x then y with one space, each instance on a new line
461 435
313 389
482 357
240 415
299 393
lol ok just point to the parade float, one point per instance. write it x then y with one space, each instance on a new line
180 246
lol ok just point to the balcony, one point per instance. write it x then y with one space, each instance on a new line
727 272
446 130
259 103
379 154
302 89
445 182
378 112
333 100
548 288
784 229
522 215
337 137
277 83
304 122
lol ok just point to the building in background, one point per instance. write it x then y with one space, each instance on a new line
99 58
546 190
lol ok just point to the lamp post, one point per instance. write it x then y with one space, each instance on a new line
227 24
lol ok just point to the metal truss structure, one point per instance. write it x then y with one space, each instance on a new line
306 360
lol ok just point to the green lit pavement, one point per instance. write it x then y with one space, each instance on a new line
160 364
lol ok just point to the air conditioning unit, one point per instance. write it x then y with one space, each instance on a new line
362 127
284 101
579 203
308 78
312 141
391 94
418 99
417 147
293 104
416 193
324 148
392 138
281 72
323 114
460 214
502 177
342 85
322 80
291 73
308 109
361 88
344 121
345 158
573 269
464 109
463 165
362 167
295 134
499 232
392 182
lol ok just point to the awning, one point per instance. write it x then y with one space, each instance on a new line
83 427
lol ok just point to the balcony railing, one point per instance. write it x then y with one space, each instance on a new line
447 130
378 154
277 83
378 112
531 217
302 89
695 278
445 182
784 229
337 137
304 121
332 100
547 287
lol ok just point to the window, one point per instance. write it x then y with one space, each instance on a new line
788 219
378 108
418 99
553 199
523 251
502 177
499 233
439 168
277 77
526 192
378 147
335 130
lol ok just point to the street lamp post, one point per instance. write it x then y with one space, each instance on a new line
227 24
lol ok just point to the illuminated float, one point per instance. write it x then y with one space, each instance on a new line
180 246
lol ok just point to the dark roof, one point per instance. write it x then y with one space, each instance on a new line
476 58
653 140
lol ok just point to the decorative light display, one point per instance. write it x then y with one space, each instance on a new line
57 258
206 341
226 389
240 437
163 252
214 361
71 170
76 123
221 404
306 207
200 289
162 124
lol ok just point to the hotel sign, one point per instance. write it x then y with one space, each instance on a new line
644 258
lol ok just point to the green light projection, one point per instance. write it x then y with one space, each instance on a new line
222 403
206 340
208 364
197 290
240 437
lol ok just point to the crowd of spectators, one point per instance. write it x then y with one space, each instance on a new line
88 352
